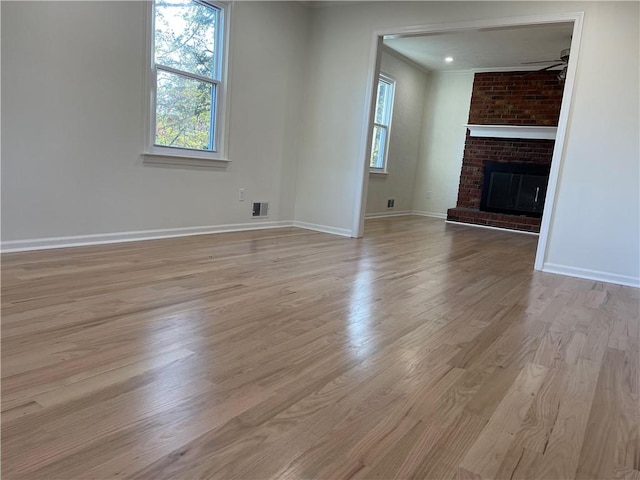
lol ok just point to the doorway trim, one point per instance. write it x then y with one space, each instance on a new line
563 120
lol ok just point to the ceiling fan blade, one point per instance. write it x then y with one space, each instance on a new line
550 66
541 61
543 69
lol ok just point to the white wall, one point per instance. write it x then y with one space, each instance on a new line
444 132
405 139
596 225
72 111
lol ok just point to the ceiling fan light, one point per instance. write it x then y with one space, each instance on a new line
563 74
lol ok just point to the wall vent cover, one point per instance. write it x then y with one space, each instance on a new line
260 209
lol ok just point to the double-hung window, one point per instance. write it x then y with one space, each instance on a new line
187 79
382 123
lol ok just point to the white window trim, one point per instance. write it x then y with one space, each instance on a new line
185 156
391 79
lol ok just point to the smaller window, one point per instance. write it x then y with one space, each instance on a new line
382 123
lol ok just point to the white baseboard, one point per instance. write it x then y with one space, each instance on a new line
323 228
491 228
587 274
119 237
388 214
429 214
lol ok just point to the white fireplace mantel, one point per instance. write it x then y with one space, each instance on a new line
513 131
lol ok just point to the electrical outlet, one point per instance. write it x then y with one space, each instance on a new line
391 202
241 194
428 195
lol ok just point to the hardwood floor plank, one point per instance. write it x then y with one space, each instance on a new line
626 474
561 458
443 459
541 417
488 451
491 393
610 427
405 455
517 463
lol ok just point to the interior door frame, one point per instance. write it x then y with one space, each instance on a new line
556 161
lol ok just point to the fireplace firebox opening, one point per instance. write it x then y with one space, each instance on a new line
514 188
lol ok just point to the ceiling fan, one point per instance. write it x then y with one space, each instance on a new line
563 60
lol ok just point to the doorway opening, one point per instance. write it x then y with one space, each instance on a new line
492 58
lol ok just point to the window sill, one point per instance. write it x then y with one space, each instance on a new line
378 172
193 161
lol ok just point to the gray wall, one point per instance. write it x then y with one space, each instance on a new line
443 137
73 122
405 139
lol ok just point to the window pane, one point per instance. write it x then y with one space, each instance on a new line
185 36
183 112
383 102
378 146
380 103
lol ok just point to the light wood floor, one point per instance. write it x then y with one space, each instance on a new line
421 351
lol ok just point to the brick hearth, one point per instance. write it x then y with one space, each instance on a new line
501 220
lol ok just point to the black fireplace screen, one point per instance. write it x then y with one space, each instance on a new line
516 188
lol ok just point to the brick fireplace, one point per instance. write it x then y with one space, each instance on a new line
511 99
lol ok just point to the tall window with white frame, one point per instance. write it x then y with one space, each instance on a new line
187 77
382 123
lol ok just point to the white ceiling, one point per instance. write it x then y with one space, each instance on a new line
485 49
